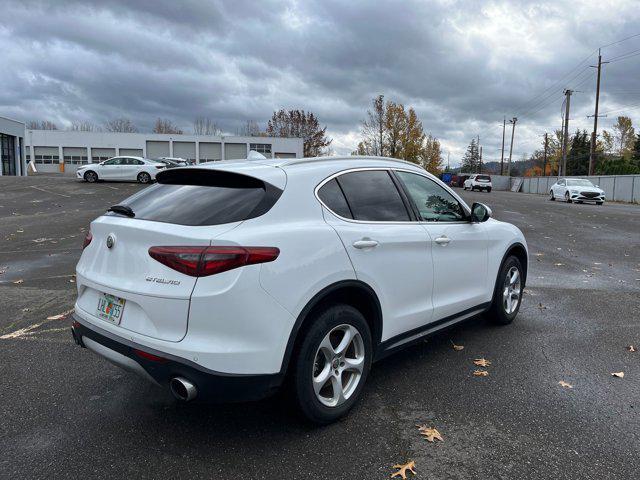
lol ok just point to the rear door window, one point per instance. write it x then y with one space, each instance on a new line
372 196
200 197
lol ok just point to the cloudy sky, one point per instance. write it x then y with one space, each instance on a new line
462 65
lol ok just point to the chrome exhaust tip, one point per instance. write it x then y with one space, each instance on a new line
183 389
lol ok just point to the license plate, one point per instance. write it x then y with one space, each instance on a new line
110 308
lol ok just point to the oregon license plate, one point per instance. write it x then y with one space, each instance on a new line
110 308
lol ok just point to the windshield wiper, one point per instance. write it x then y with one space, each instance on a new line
122 210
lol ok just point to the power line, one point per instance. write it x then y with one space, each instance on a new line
620 41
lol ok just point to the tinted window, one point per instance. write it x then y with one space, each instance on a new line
332 196
372 196
114 161
197 197
434 203
483 178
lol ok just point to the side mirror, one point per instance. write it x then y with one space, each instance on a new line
480 213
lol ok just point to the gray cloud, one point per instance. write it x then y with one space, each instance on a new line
461 64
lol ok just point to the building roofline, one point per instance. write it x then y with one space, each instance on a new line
300 161
13 120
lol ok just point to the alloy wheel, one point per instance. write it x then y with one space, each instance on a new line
511 291
338 365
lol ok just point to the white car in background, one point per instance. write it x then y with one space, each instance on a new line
478 182
223 281
576 190
124 169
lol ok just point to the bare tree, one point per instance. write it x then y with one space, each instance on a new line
205 126
373 129
164 125
250 129
300 124
120 125
84 127
41 125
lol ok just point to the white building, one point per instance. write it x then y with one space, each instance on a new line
12 159
62 151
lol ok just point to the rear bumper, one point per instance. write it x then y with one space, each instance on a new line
159 367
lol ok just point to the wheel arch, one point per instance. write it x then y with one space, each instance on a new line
350 292
520 252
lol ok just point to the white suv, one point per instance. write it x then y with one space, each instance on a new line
223 281
478 182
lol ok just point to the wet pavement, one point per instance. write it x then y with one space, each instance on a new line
69 414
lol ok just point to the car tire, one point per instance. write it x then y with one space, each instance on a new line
90 176
311 363
144 177
552 198
502 310
567 198
488 189
599 203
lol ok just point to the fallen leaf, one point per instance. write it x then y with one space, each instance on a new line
480 373
631 348
60 316
18 282
402 470
430 434
71 280
25 310
559 264
618 374
541 307
457 348
565 384
481 362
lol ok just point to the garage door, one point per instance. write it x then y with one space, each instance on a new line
131 152
210 151
75 155
234 151
102 154
186 150
157 149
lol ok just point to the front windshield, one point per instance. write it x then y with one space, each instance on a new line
579 183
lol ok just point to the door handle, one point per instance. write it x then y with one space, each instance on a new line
443 240
365 243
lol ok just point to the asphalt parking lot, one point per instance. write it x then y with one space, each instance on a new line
69 414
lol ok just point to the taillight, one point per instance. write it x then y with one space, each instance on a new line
149 356
87 240
205 261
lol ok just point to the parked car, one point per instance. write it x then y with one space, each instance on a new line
224 280
138 169
171 163
576 190
177 160
478 182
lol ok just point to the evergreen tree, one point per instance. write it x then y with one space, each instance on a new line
578 156
471 158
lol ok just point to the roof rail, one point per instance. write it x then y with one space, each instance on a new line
298 161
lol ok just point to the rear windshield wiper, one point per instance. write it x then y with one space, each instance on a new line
122 209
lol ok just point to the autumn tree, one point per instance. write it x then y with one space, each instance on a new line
164 125
205 126
412 138
431 155
395 124
624 136
120 125
300 124
373 129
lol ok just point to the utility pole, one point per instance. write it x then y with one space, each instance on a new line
513 131
565 136
594 134
480 160
448 153
544 162
504 125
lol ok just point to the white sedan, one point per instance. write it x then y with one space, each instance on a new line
137 169
576 190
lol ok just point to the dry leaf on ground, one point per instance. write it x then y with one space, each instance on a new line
430 434
482 362
559 264
403 469
618 374
565 384
60 316
18 282
631 348
457 348
480 373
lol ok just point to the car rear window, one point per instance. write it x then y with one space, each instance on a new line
483 178
198 197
